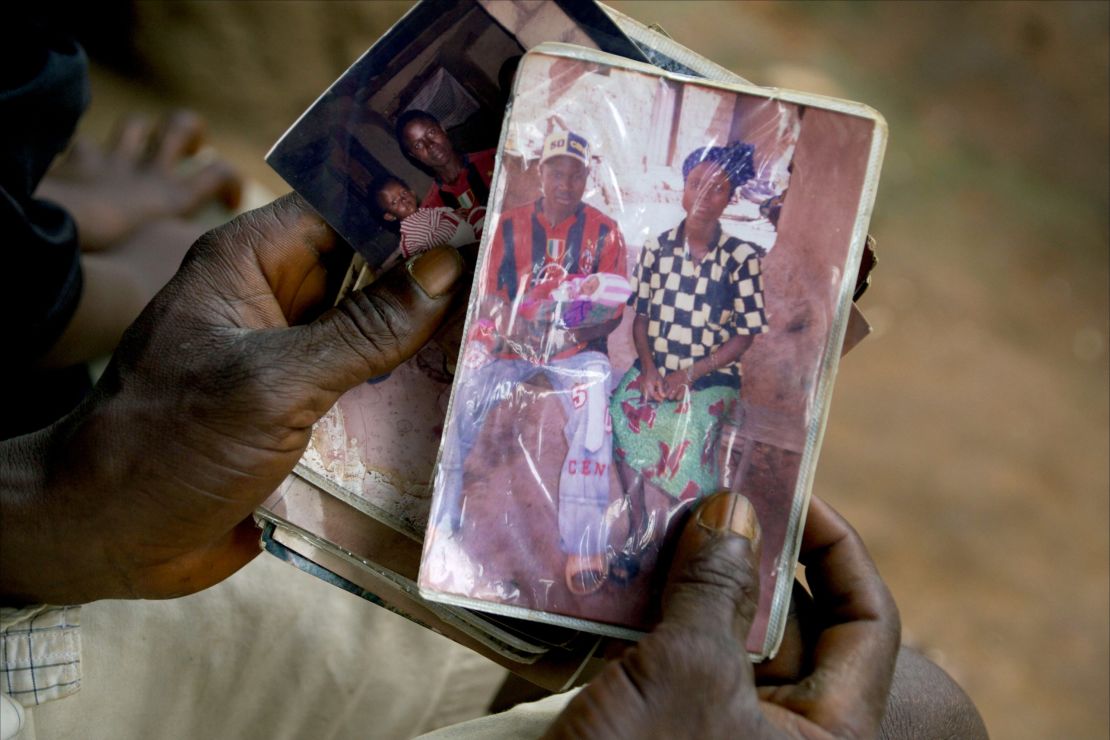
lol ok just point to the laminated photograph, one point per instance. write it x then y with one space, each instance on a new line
323 536
397 155
662 294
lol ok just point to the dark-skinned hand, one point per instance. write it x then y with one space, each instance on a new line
651 385
691 676
676 385
147 489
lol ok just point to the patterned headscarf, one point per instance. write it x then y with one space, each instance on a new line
735 160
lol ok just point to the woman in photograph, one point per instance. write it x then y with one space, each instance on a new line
698 302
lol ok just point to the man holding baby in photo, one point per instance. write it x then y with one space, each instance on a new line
555 243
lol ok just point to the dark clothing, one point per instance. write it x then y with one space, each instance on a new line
43 91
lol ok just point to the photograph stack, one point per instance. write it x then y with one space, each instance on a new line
664 264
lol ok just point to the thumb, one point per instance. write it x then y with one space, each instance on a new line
374 330
713 583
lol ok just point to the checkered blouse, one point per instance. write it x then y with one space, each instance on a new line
693 308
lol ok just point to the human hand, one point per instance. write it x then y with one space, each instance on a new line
676 385
651 384
691 676
147 489
137 179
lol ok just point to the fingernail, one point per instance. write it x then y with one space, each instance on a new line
731 513
436 270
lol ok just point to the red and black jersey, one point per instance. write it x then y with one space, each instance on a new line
527 249
469 189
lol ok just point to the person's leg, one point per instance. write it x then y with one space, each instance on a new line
633 483
625 563
475 396
582 384
179 669
632 416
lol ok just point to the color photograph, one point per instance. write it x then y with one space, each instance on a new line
657 295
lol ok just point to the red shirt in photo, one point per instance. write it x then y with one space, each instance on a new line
528 250
470 189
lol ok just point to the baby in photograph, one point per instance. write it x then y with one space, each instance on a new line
421 229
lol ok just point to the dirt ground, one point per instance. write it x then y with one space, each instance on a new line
968 437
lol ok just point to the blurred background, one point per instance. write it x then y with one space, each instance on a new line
968 436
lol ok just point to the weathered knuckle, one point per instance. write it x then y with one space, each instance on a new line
291 213
251 229
673 664
255 229
681 654
722 568
207 244
375 327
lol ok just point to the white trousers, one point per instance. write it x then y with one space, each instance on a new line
271 653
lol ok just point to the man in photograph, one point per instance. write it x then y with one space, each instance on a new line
461 181
538 250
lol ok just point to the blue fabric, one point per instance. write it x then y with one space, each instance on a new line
735 160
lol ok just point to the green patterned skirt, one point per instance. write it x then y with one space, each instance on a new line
673 444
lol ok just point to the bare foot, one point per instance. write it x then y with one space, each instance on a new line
586 574
131 201
140 177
